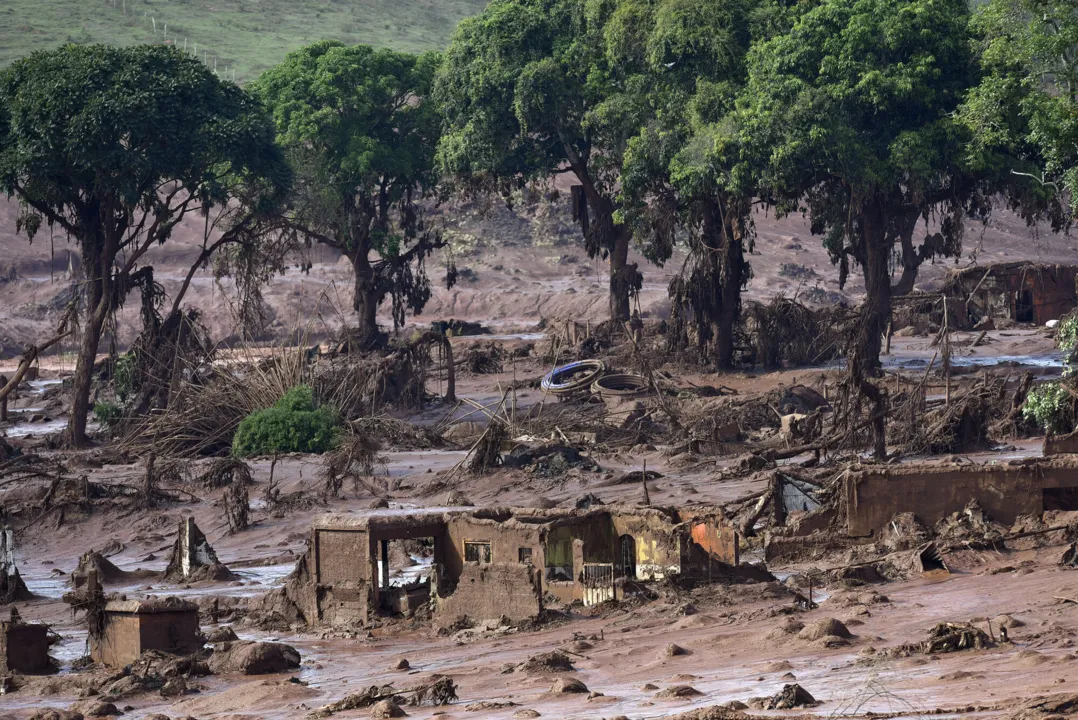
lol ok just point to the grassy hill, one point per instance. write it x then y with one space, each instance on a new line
243 37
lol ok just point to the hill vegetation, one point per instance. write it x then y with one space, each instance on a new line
240 37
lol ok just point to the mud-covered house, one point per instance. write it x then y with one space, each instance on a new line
131 627
496 563
1025 292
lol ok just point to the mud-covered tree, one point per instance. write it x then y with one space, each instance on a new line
1024 113
361 130
855 108
115 147
528 93
679 171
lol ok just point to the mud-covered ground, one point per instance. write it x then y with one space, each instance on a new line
742 641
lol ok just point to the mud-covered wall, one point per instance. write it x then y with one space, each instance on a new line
24 648
932 492
659 548
127 635
490 591
342 576
506 540
713 540
174 632
120 644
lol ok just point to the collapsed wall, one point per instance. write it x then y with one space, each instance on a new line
193 558
12 587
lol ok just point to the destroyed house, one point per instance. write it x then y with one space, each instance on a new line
131 627
1025 292
24 647
874 495
496 563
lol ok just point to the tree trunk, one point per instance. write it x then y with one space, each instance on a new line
911 263
733 259
622 276
84 369
365 302
865 359
99 251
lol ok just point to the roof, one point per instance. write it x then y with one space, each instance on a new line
1007 268
150 605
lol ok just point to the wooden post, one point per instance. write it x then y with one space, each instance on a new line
947 349
450 373
3 400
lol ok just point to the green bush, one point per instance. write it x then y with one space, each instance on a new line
123 376
1050 406
293 424
107 413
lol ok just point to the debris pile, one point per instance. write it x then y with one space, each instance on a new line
440 690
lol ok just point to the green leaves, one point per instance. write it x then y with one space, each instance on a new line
1026 108
89 128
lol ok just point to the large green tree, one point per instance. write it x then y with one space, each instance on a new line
679 171
528 93
115 147
1024 113
855 108
361 130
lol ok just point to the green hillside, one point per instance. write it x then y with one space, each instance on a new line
241 36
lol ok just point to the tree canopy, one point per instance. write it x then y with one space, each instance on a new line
854 109
528 92
1024 112
115 146
361 131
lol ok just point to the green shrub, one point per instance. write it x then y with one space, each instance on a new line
107 413
1067 340
1050 406
293 424
123 376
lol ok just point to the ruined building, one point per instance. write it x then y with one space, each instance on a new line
499 562
1023 291
193 558
24 647
871 496
12 587
132 626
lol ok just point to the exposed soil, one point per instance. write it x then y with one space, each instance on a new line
735 643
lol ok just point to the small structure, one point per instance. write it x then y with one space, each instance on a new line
932 491
193 558
131 627
498 562
12 587
24 647
1021 291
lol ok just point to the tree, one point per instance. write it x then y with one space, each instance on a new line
1024 113
528 93
678 171
361 130
854 110
116 146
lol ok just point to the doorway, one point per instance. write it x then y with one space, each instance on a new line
627 555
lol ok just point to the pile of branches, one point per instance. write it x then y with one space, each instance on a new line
356 457
486 359
201 419
438 691
785 333
967 423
